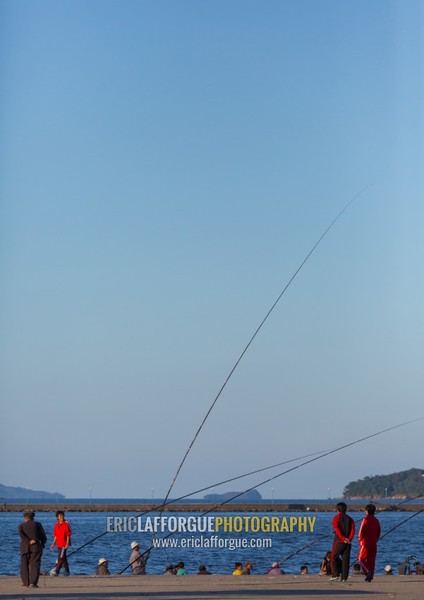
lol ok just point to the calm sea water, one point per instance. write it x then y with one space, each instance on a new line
406 540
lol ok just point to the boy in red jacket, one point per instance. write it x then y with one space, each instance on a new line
62 538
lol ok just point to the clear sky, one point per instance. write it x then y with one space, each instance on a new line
166 166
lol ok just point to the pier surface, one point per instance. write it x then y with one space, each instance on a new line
215 587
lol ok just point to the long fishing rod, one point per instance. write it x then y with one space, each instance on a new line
212 509
261 324
308 255
402 522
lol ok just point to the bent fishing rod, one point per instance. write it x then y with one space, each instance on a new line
261 324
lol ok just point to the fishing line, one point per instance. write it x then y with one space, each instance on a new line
261 324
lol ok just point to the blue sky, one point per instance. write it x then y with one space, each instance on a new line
166 168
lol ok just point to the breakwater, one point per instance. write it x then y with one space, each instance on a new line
203 507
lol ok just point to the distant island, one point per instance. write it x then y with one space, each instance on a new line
404 484
20 493
252 496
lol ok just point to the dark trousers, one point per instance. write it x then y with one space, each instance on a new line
341 551
30 565
62 561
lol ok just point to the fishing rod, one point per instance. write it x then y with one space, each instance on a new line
402 522
261 324
212 509
290 281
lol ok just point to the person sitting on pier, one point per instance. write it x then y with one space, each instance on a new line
137 561
179 569
247 568
203 570
102 569
238 568
304 570
275 569
325 568
169 569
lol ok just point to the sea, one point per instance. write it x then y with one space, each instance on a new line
293 538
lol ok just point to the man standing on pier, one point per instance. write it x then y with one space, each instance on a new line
33 540
344 530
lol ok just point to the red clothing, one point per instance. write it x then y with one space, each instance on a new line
62 532
369 534
344 527
344 530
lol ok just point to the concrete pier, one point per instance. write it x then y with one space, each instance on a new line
215 587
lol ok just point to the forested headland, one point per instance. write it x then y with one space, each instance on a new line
404 484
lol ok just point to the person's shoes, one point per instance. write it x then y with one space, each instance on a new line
368 577
343 580
33 585
333 579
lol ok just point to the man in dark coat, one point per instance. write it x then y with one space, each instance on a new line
33 540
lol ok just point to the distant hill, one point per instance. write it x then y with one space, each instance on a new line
20 493
252 496
404 484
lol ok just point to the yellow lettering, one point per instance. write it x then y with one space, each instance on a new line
238 524
293 523
312 523
218 523
265 524
284 524
302 524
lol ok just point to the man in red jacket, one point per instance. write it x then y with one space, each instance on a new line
369 534
344 530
